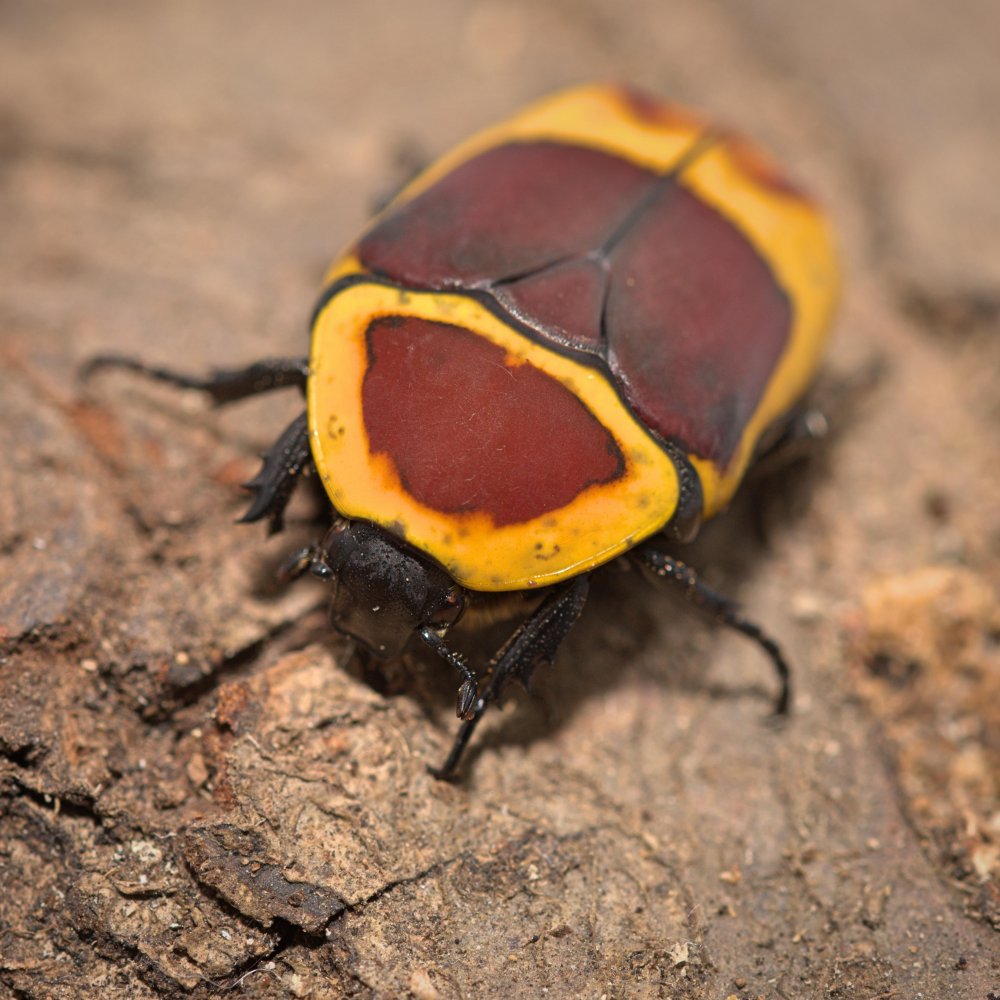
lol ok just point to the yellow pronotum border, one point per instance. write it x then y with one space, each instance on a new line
789 232
601 522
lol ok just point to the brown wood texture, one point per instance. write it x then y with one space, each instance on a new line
202 794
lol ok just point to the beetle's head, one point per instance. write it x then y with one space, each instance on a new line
384 590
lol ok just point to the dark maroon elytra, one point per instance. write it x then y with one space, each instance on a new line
469 433
696 328
657 113
506 213
594 253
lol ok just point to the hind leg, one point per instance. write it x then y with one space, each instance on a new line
223 385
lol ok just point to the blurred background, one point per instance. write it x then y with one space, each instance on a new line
226 120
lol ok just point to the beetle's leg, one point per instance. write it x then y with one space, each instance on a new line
794 438
721 608
469 688
535 641
272 487
224 385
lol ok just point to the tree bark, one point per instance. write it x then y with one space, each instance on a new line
203 791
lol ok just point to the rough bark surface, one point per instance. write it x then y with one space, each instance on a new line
202 793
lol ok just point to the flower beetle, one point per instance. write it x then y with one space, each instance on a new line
562 343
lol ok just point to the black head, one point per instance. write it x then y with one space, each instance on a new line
384 590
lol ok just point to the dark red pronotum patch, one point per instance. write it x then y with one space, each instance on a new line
470 433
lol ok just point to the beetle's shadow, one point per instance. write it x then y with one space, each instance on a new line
626 616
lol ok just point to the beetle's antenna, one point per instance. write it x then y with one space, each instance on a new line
311 559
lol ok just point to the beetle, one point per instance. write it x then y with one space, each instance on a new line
564 342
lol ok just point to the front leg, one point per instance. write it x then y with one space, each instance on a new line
721 608
272 487
534 642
